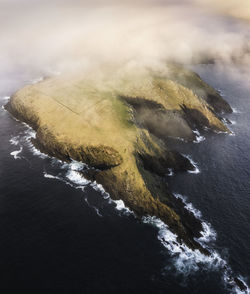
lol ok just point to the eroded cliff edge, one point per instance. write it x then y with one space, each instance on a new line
119 126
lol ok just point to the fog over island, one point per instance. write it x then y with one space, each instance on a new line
70 35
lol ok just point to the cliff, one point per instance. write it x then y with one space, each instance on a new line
119 125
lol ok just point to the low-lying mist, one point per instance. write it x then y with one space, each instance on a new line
75 35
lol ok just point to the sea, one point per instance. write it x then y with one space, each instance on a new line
60 233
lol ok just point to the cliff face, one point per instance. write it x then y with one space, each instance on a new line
119 126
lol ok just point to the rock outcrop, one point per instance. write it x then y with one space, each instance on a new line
119 125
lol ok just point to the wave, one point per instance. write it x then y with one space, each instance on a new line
5 98
16 152
97 211
208 234
196 170
235 110
49 176
29 134
99 188
221 92
198 138
187 261
184 259
121 207
171 172
15 140
77 178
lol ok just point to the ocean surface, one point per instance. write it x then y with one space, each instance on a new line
63 234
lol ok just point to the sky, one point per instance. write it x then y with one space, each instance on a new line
70 35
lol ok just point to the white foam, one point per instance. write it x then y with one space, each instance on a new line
37 152
74 165
171 172
15 140
235 110
16 152
198 137
185 259
29 134
225 121
97 211
121 207
221 132
228 123
188 205
221 92
99 188
6 98
119 204
49 176
228 278
196 170
77 178
208 234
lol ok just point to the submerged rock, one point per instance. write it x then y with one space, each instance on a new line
119 126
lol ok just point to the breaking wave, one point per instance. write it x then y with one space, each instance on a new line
15 140
235 110
185 260
196 170
199 138
208 233
16 152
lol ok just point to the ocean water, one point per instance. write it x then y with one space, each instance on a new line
63 234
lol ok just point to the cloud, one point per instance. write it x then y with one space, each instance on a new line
236 8
70 35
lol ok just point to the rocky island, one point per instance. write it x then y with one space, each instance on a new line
119 125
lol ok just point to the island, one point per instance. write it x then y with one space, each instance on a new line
118 123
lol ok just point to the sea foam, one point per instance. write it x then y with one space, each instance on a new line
15 140
235 110
196 170
16 152
198 137
184 259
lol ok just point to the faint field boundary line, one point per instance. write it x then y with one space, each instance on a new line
51 97
70 109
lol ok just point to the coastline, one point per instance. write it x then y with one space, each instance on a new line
144 190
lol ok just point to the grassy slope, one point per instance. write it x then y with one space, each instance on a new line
73 114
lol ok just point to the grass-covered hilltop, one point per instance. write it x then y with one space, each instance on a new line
119 125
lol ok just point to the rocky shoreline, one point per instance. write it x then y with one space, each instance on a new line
119 127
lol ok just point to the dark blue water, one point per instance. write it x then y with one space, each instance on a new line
59 239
